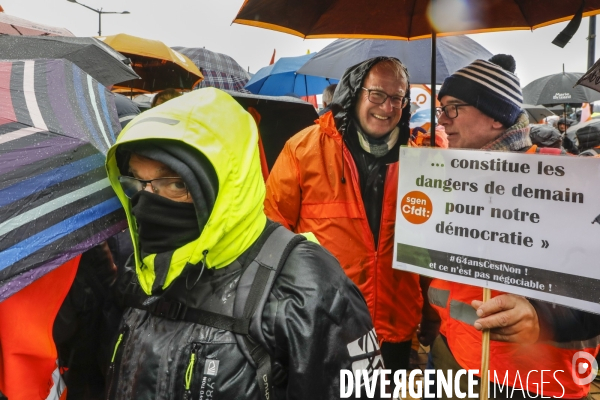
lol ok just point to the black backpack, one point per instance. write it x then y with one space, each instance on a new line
252 292
588 137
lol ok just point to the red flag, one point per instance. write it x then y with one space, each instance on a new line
272 58
312 99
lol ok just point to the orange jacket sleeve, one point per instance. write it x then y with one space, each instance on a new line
284 195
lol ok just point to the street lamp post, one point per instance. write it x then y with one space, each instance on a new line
99 12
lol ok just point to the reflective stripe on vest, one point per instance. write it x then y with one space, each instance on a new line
438 297
58 388
458 310
463 312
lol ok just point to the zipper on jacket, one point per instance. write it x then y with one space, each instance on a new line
347 156
189 373
385 184
112 360
111 369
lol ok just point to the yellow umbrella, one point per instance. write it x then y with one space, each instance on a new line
159 66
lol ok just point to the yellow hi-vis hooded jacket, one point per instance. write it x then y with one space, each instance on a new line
230 144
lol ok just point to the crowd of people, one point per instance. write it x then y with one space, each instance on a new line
227 286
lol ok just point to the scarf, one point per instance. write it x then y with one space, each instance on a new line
163 224
515 138
377 147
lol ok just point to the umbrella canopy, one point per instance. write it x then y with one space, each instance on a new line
157 64
559 108
536 113
558 89
281 118
281 78
219 70
95 58
453 53
56 125
10 25
405 19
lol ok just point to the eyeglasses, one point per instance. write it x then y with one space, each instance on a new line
379 97
451 110
171 188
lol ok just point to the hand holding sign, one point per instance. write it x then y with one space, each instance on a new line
509 317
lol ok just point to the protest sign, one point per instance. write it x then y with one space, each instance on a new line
519 223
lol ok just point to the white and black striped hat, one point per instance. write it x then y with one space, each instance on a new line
488 87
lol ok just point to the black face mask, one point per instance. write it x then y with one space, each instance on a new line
163 224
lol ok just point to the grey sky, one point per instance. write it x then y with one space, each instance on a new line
207 23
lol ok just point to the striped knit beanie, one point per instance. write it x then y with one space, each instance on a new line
488 87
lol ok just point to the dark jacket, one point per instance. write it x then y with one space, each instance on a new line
308 336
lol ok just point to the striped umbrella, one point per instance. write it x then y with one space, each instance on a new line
56 125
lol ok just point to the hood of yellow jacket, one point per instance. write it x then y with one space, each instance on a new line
213 123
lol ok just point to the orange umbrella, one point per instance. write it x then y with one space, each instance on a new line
157 64
405 19
412 19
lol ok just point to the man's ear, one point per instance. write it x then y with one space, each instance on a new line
497 125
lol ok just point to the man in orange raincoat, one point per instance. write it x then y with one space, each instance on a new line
338 179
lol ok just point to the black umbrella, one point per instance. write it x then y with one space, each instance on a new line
97 59
560 108
558 89
536 113
281 118
453 53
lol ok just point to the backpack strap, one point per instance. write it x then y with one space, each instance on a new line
252 293
178 311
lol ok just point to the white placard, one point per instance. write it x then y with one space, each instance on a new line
520 223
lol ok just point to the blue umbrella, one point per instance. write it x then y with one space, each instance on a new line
281 79
453 53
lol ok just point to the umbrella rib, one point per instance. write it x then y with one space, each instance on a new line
523 14
410 21
15 28
262 84
306 85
